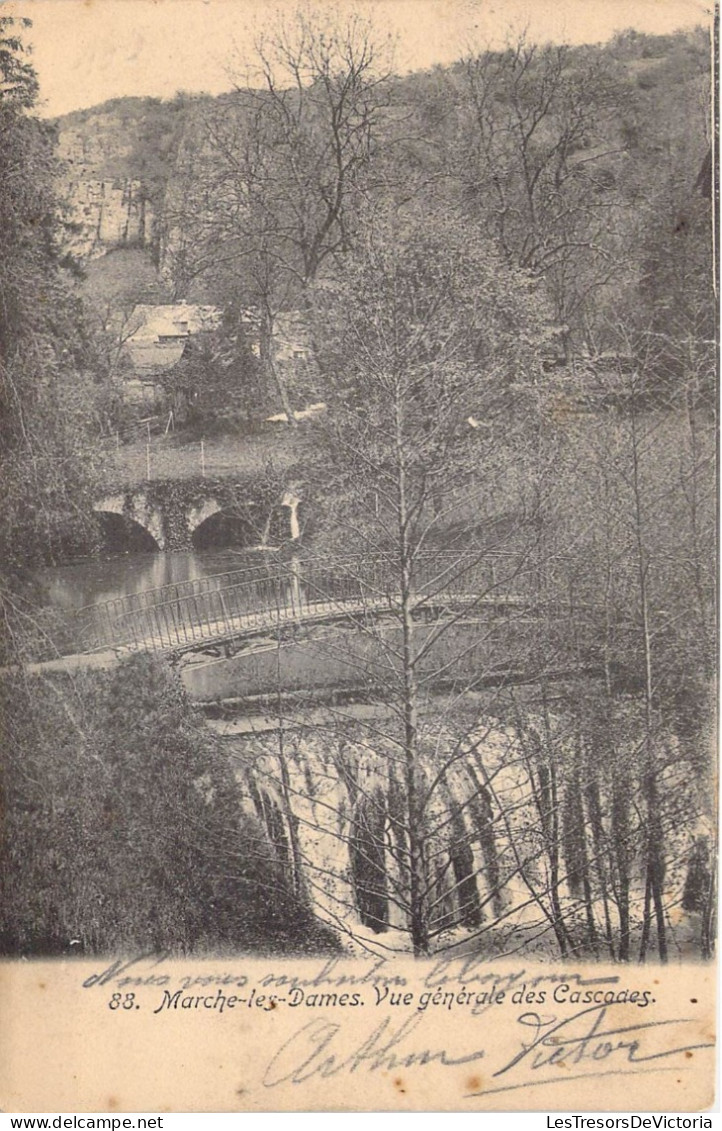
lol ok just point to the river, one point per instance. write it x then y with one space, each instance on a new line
94 580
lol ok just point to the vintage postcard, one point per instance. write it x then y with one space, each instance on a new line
358 538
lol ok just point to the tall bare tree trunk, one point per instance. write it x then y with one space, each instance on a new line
414 784
298 878
655 835
268 363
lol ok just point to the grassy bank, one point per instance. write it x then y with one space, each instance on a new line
180 456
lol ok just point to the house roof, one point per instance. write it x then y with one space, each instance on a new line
163 331
173 320
152 356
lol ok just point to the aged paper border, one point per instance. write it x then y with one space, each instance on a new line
67 1048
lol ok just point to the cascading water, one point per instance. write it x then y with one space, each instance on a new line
290 502
348 799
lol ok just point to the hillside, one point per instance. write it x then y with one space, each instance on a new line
126 161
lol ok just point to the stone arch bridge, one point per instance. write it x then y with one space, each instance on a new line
175 515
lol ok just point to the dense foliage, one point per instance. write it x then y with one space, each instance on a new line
123 827
47 397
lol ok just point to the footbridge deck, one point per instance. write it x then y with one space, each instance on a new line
212 612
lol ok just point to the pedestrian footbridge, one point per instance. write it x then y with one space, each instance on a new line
222 611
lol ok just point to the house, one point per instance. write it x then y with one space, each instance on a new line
157 338
162 333
157 341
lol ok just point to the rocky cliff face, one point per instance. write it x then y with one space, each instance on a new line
116 162
102 215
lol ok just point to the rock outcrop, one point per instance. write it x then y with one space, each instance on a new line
116 162
102 215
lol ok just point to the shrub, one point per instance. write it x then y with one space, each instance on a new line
124 828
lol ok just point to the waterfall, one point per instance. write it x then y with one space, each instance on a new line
292 501
351 808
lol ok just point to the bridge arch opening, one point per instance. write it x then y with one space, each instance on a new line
121 534
223 530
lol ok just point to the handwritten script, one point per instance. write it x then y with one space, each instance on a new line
505 1028
550 1050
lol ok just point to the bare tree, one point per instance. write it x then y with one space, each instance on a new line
542 153
423 368
280 167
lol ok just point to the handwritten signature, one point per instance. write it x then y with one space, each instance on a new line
313 1050
585 1044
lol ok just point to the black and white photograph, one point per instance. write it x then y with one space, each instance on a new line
358 528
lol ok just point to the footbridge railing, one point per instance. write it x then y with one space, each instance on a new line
188 615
